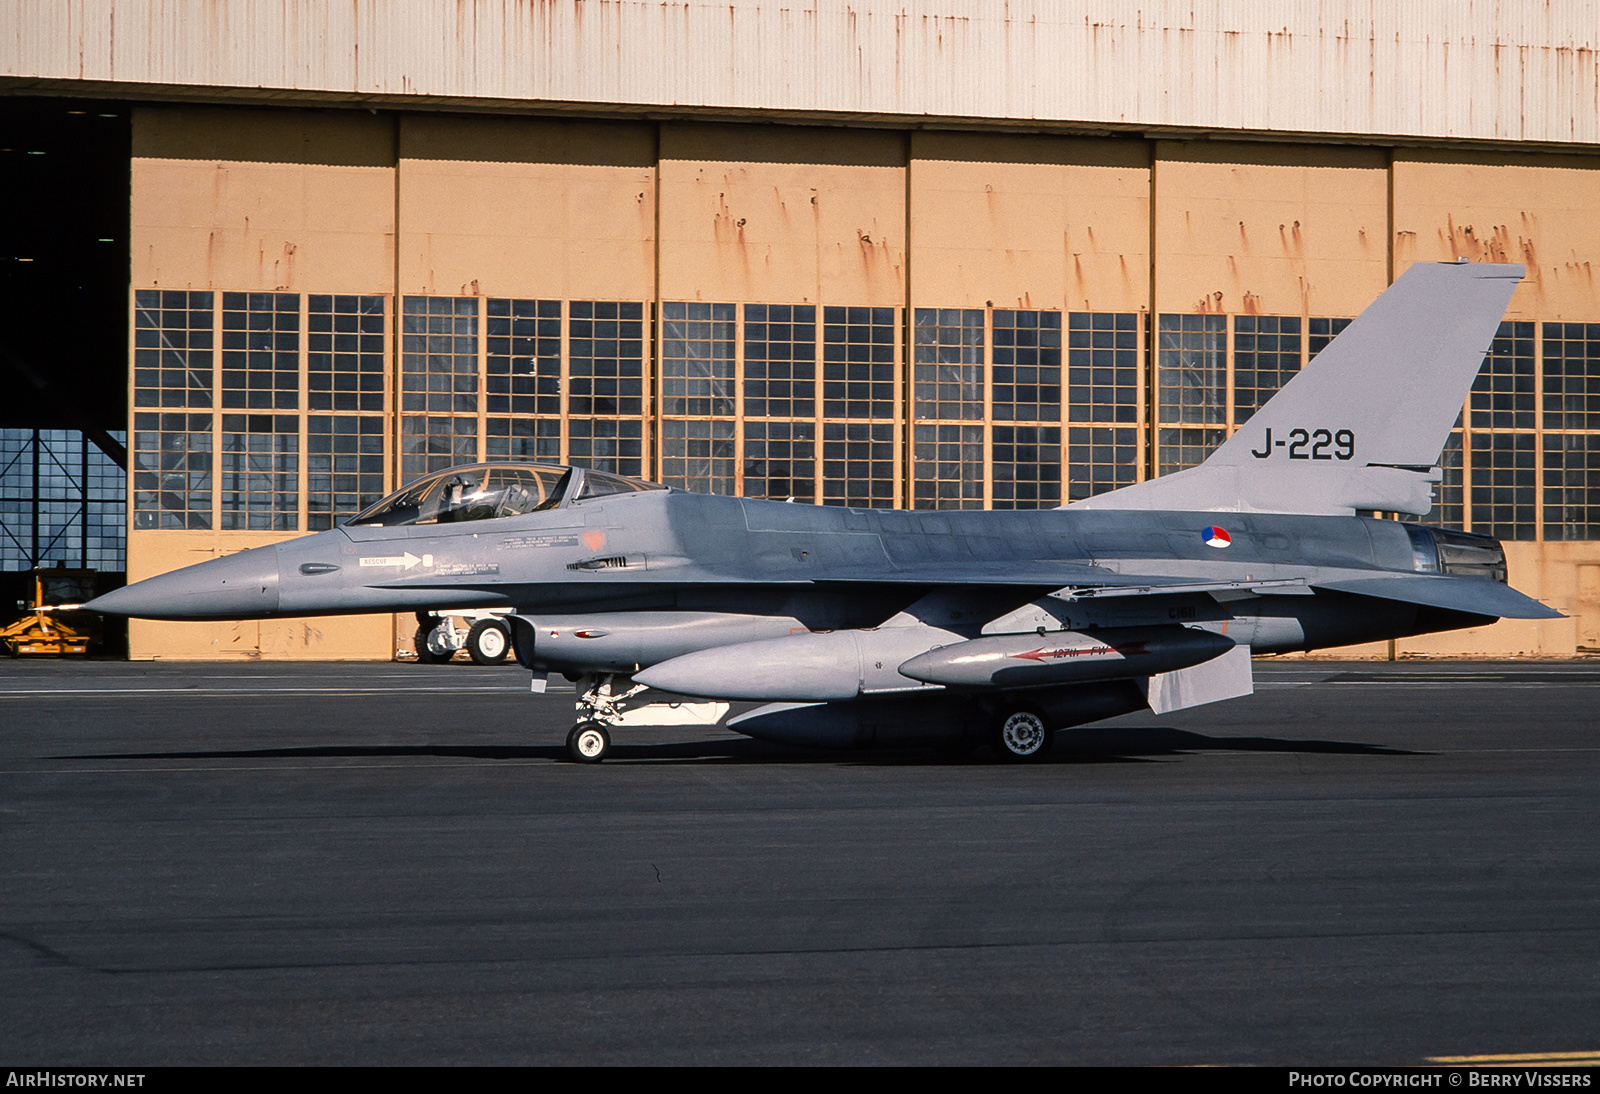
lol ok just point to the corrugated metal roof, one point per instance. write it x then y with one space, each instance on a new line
1483 69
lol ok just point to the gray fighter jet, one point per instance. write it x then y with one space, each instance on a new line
864 627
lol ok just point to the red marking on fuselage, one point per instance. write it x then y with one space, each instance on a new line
594 540
1062 653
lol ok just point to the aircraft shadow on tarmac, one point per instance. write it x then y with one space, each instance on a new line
1133 744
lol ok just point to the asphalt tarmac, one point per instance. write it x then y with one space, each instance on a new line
392 864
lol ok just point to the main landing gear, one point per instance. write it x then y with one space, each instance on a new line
1021 734
486 639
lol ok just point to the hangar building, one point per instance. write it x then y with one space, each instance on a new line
271 258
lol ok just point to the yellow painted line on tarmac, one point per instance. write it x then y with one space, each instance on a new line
1517 1059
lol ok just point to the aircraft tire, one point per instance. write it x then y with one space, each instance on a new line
588 743
488 643
426 656
1021 734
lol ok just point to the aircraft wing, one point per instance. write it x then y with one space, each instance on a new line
1478 595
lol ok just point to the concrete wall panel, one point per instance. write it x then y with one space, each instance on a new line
330 638
788 214
262 200
527 208
1270 229
1537 210
1031 222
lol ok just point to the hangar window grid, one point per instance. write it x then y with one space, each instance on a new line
1266 355
947 364
347 352
1025 365
1503 394
780 460
780 361
947 466
1571 484
439 355
605 358
173 342
346 457
1449 506
1319 332
1502 476
105 507
859 468
1101 458
259 473
522 361
1181 448
697 359
1192 370
260 351
699 396
700 455
605 385
859 364
436 442
523 439
1571 376
173 323
778 400
1103 378
607 444
172 474
1026 465
61 501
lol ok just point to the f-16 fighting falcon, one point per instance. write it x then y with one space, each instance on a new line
859 627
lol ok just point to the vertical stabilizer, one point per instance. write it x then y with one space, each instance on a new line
1362 426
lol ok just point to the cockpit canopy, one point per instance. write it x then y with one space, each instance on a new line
490 490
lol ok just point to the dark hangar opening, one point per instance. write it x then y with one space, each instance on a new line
64 261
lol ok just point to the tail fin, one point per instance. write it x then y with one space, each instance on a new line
1363 425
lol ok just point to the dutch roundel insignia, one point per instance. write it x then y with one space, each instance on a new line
1216 537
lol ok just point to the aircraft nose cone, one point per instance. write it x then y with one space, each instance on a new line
238 586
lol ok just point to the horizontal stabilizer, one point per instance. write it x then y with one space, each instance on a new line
1478 595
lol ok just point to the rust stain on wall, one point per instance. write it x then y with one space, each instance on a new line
283 269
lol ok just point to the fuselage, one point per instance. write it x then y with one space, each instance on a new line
683 561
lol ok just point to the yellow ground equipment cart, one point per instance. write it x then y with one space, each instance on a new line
53 625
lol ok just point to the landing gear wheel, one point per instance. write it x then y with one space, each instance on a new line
588 743
1021 734
488 643
425 653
